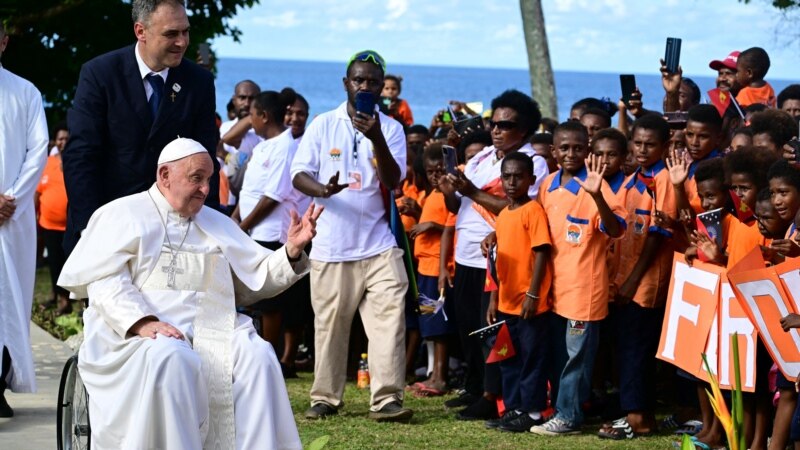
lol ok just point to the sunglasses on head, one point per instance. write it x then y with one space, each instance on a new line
368 56
504 125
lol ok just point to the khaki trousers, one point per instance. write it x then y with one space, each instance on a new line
376 287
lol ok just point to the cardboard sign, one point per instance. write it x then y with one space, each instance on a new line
702 315
767 295
690 313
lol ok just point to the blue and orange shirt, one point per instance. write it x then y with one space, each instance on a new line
643 198
580 245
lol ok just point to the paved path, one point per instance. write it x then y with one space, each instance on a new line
34 423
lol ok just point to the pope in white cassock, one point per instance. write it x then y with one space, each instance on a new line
166 360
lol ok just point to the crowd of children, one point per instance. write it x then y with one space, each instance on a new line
584 260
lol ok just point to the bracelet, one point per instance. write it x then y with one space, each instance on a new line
529 295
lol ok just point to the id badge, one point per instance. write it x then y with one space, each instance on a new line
354 179
577 327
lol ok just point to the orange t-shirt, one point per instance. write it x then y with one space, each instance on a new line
580 246
224 188
403 113
640 207
410 191
53 196
742 239
519 231
612 260
750 95
690 185
428 245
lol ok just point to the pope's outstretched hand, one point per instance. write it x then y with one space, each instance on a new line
302 230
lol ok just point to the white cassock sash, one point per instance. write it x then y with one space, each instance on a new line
210 277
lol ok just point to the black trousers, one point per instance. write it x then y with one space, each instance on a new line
54 243
468 290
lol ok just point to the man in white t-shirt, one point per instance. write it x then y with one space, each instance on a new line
356 264
237 136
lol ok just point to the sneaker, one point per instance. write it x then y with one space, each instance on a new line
392 412
507 417
555 427
482 409
464 399
520 424
320 411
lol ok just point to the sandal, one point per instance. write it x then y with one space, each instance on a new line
619 430
427 391
414 387
690 427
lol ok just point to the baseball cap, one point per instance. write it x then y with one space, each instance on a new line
729 61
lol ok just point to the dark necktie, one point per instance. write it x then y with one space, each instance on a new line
157 83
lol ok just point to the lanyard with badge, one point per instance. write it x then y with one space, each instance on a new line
354 176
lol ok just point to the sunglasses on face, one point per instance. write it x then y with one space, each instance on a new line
368 56
503 125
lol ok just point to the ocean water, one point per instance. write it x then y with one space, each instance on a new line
429 88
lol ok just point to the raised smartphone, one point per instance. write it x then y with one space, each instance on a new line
672 55
628 84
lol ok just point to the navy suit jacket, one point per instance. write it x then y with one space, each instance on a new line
115 143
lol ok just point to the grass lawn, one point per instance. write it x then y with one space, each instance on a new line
431 428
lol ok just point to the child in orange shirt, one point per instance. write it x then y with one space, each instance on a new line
396 106
427 236
703 137
524 276
583 214
751 68
746 174
643 277
784 185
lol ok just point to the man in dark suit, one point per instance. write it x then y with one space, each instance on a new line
129 104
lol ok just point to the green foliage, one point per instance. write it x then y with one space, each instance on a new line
319 443
51 39
781 4
686 443
71 324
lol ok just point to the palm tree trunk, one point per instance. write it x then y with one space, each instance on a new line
543 86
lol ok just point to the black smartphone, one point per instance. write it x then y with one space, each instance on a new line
449 154
676 119
204 51
365 103
672 55
628 84
471 123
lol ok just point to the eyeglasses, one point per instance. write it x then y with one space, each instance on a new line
504 125
368 56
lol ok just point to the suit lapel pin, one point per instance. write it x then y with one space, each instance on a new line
175 89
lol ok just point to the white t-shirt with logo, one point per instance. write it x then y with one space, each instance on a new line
353 225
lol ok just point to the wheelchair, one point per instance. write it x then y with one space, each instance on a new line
73 428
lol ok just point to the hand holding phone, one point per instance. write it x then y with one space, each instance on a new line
628 84
450 160
672 54
365 103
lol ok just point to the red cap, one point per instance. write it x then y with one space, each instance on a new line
729 62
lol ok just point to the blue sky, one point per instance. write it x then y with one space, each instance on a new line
618 36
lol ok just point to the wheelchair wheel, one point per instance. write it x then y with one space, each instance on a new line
73 409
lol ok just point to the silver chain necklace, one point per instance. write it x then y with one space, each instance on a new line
172 269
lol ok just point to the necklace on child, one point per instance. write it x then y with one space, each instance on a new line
172 269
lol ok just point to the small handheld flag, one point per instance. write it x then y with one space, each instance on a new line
490 284
502 348
710 224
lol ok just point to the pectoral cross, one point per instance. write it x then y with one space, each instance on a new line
171 270
172 97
